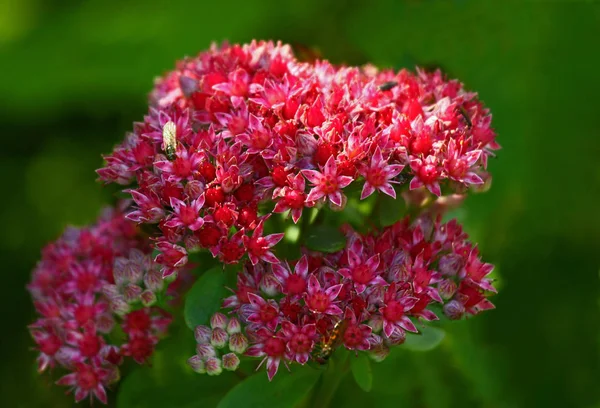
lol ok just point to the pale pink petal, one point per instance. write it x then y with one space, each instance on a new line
388 189
312 176
336 198
415 183
367 190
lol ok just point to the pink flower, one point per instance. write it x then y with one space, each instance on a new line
87 380
327 184
186 215
322 301
378 176
397 304
300 341
362 272
293 284
258 247
270 346
262 312
427 173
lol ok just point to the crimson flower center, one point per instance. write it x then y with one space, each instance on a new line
393 311
295 284
300 343
329 184
362 274
274 347
318 302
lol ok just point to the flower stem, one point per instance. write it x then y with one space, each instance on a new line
330 381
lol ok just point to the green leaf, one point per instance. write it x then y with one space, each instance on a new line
390 211
205 297
324 238
362 371
428 339
285 391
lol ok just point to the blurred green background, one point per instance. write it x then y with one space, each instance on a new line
75 74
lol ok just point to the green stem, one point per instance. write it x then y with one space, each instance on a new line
330 381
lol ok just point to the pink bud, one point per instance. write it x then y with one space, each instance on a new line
454 310
153 280
219 337
447 288
230 361
148 298
238 343
197 364
194 189
450 264
379 353
397 337
132 293
119 305
213 366
205 351
233 326
269 285
218 320
202 334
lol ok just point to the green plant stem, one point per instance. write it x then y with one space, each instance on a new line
330 381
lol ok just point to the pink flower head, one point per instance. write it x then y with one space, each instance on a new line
378 175
262 312
327 183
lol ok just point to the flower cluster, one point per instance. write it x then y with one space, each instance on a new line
379 286
242 125
211 356
76 317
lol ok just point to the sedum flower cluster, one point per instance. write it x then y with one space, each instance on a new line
233 140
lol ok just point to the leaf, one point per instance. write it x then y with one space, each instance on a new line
390 211
285 391
362 371
205 297
325 238
429 339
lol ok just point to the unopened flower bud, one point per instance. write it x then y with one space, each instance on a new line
230 361
194 189
379 353
376 324
213 366
447 288
192 243
133 272
219 338
233 326
450 264
238 343
269 285
218 320
119 305
197 364
205 351
132 293
110 291
454 310
202 334
170 278
105 323
153 280
148 298
397 337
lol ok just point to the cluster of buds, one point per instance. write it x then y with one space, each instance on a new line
138 282
242 125
75 317
218 346
379 286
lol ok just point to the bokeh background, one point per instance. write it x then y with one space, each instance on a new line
74 75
